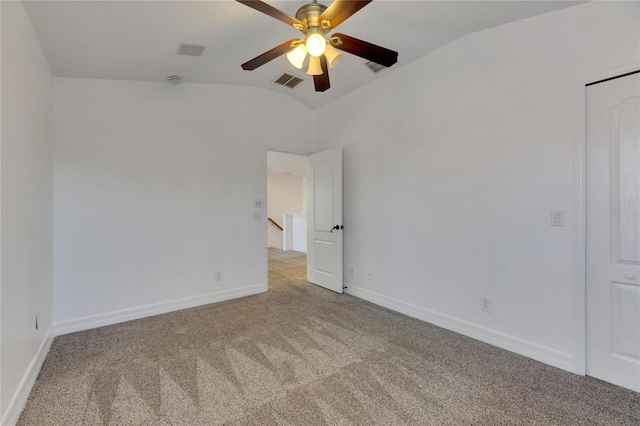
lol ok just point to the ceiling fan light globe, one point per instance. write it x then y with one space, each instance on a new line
333 55
315 68
297 55
316 44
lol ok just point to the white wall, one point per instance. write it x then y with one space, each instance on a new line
26 214
298 232
304 194
295 232
153 192
285 196
453 164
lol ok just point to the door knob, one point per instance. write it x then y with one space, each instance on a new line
337 227
630 276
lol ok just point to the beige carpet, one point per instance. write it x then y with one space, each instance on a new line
302 355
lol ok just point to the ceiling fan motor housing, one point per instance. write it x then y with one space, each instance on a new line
309 14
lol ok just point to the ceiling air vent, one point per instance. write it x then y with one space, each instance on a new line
375 67
288 80
190 49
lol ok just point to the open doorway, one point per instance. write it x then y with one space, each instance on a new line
286 217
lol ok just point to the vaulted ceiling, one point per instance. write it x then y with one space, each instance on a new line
138 40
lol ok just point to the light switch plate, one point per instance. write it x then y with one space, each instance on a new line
257 214
557 218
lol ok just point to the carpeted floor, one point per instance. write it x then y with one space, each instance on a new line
302 355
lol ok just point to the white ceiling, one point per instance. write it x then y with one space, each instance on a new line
280 163
138 40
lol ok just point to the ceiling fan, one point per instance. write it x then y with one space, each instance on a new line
315 21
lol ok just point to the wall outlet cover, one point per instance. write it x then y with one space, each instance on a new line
557 218
485 304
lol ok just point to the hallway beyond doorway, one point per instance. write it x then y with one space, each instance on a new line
286 267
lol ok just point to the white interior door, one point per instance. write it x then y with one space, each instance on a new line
324 219
613 231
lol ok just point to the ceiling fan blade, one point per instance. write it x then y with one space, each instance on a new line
340 11
322 81
273 12
366 50
269 55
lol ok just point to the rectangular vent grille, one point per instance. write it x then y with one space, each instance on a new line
375 67
190 49
288 80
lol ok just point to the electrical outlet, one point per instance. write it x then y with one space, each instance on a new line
257 214
485 304
557 218
352 271
257 203
218 275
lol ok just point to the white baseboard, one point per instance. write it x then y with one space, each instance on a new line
511 343
114 317
300 248
19 399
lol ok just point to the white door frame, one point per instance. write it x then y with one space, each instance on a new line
265 236
580 210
